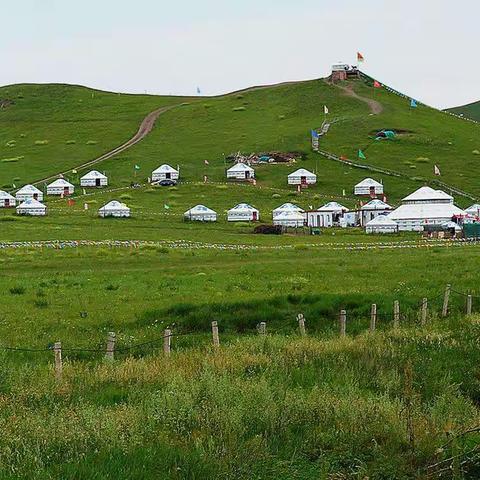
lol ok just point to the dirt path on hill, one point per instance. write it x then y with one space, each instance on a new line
145 128
375 107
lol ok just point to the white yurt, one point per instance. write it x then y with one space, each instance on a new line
60 187
471 210
240 171
243 212
29 192
6 200
302 177
381 224
201 213
286 207
327 216
290 219
165 172
368 186
373 209
94 179
114 209
32 207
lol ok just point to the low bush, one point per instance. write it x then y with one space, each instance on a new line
41 142
17 290
268 229
239 109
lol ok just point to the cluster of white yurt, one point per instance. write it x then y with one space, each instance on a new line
60 187
200 213
114 208
243 212
7 200
94 179
165 172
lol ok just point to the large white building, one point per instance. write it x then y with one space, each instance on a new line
425 206
7 200
165 172
302 177
368 186
326 216
60 187
373 209
94 179
243 213
29 192
240 171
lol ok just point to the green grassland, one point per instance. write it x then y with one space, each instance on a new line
472 110
373 405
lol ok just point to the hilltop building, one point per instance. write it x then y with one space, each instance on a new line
114 209
302 177
200 213
368 187
243 213
60 187
240 171
165 172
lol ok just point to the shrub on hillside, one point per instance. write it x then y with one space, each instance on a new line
91 142
239 109
41 142
17 290
268 229
70 142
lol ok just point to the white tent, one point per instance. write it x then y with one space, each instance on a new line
373 209
165 172
326 216
29 192
302 177
31 207
286 207
425 206
368 186
201 213
114 209
474 210
240 171
243 213
6 200
94 179
290 219
60 187
381 224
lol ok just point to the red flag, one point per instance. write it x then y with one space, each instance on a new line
360 57
377 84
70 202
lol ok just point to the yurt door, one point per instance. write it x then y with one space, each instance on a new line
66 191
303 180
6 202
254 216
372 191
247 175
35 196
97 182
168 175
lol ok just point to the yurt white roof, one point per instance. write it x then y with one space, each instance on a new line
427 193
165 169
6 196
60 182
289 207
94 174
376 204
425 211
200 209
243 207
240 167
382 220
291 216
332 207
114 205
302 172
29 189
31 204
369 182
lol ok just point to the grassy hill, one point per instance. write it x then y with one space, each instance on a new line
471 110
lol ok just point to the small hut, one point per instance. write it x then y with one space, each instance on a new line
381 224
243 213
286 207
60 187
94 179
290 219
200 213
368 187
302 177
240 171
327 216
114 209
6 200
32 207
473 210
373 209
165 172
29 192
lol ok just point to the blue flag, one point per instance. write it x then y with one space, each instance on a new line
314 134
198 91
413 103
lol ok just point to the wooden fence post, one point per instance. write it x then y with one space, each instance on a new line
301 324
216 339
373 317
423 313
57 349
262 328
343 323
446 299
469 304
396 313
167 337
110 346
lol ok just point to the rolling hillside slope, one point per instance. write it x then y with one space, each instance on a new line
471 110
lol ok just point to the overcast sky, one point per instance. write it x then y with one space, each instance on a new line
425 48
